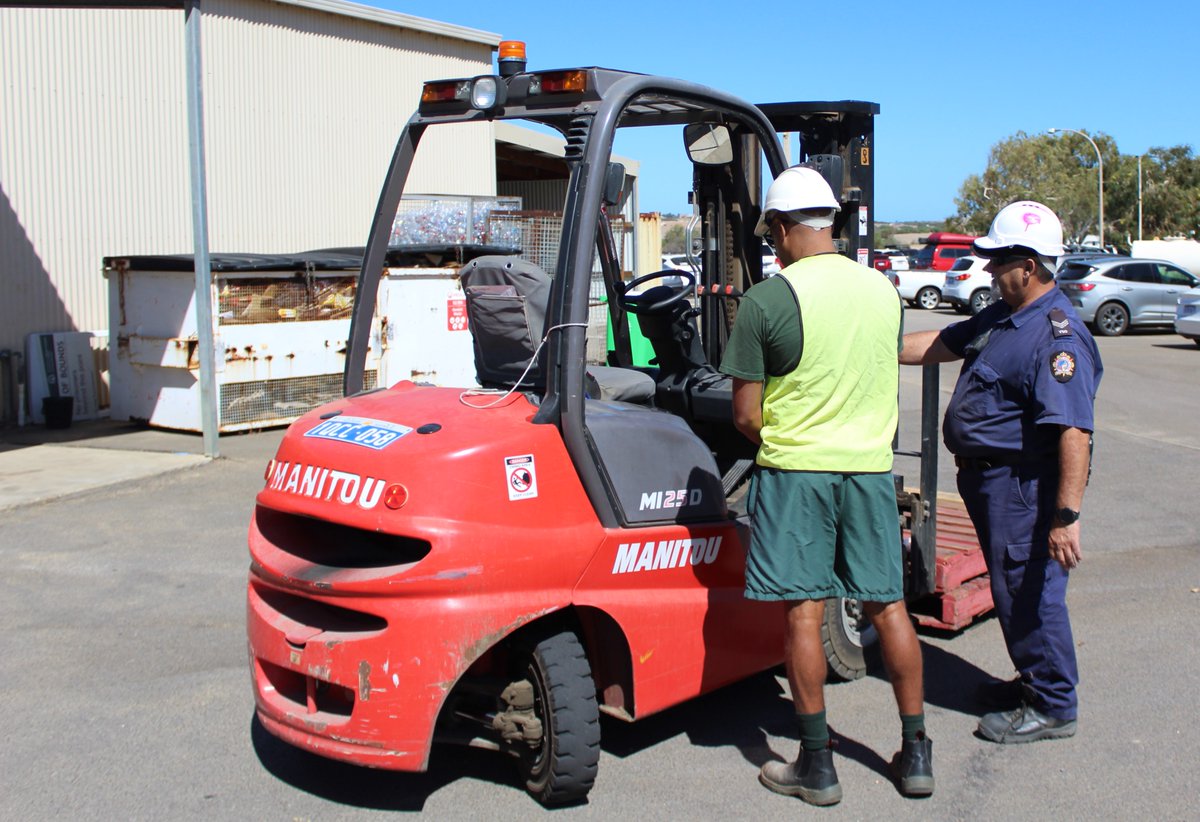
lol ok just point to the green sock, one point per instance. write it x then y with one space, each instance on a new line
912 726
814 731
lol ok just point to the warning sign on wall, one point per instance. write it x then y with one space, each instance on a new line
456 312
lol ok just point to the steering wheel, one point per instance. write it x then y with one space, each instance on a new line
637 304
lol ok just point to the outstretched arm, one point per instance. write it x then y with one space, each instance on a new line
925 347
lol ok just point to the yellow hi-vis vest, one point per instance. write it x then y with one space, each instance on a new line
837 410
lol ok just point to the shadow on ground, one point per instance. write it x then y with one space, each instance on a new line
744 716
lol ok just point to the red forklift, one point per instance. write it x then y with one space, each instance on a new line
497 565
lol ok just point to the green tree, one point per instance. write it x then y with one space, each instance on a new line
1061 172
1170 194
673 239
1051 170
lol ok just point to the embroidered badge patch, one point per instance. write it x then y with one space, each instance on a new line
1062 366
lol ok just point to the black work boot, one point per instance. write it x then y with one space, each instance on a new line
811 777
1023 724
912 766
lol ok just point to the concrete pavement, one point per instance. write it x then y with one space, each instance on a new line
39 464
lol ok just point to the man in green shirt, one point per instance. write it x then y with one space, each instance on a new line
813 356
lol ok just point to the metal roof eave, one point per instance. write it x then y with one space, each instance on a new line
337 7
398 19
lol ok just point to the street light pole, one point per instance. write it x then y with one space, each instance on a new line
1139 196
1100 178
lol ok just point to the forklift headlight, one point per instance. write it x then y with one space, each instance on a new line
488 92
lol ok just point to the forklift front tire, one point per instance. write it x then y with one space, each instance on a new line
844 632
561 769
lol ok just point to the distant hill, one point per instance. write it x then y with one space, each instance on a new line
904 234
901 234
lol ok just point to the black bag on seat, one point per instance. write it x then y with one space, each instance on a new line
507 298
507 302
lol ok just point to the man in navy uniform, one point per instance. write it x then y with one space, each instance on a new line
1019 425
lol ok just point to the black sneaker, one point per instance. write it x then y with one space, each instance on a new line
1005 694
811 777
1023 724
912 766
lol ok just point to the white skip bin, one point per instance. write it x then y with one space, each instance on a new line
281 325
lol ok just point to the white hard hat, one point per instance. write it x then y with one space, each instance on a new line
1027 224
796 188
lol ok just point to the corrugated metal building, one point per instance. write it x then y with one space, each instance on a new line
303 102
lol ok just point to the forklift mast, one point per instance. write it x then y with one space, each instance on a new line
838 139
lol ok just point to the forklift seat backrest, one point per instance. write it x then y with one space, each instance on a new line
507 299
507 302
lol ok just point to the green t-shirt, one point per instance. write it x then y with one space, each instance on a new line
768 337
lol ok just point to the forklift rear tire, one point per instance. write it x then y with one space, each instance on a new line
563 767
844 633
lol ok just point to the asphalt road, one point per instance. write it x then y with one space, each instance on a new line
126 695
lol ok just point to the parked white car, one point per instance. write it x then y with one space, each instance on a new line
770 262
1187 317
967 286
677 262
920 288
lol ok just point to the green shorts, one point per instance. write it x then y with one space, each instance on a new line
818 535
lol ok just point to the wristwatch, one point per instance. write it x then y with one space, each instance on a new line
1066 515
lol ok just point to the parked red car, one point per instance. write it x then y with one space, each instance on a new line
942 249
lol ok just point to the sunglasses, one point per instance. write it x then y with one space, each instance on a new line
1006 257
768 238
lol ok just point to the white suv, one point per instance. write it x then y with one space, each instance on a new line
968 287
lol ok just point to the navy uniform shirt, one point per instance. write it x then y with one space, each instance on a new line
1023 374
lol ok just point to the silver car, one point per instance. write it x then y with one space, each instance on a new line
1112 293
1187 317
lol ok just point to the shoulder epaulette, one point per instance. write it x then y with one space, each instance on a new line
1060 325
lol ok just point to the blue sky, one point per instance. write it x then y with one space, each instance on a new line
952 78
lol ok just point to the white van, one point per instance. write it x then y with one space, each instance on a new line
1183 252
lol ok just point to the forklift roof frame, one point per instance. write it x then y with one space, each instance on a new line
602 100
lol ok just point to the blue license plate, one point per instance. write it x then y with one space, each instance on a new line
375 434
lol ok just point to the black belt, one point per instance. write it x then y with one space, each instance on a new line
995 460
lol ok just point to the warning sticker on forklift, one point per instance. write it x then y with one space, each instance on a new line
522 477
374 434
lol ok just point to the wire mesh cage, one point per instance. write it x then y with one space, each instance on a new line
270 402
300 297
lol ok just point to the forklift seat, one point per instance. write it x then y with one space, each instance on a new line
507 302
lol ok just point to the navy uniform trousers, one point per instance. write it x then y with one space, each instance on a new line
1012 506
